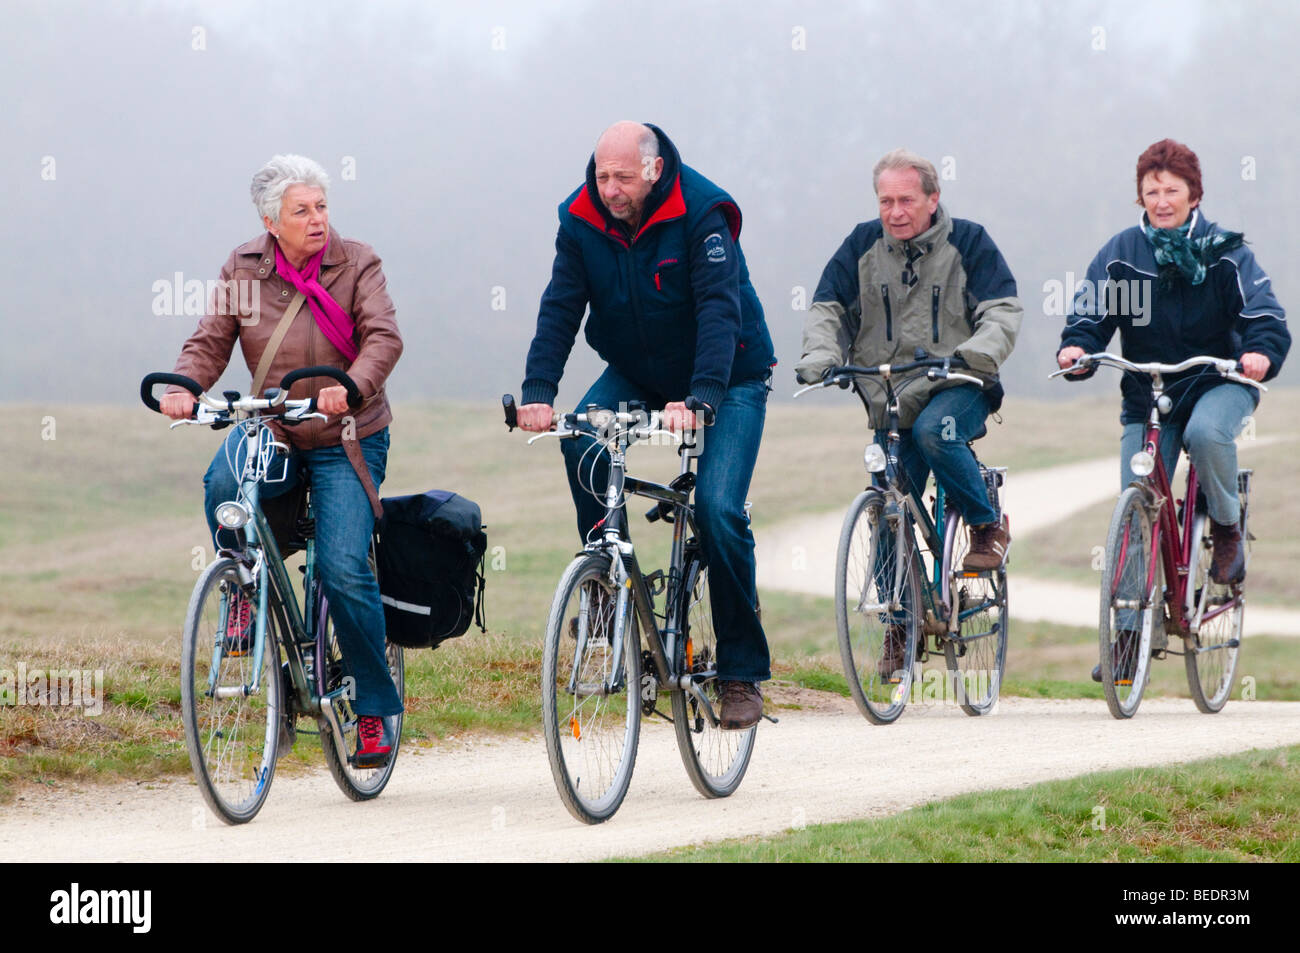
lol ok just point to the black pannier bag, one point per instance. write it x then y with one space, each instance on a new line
429 550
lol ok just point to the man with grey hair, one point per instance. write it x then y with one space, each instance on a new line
653 248
914 278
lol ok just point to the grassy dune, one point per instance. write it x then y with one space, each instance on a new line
101 539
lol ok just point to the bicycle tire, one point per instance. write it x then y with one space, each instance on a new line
591 737
358 783
715 760
231 741
862 632
977 666
1123 579
1210 656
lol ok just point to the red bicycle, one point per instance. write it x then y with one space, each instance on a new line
1155 581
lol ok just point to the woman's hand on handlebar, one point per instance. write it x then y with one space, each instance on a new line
179 406
1254 366
1068 356
332 400
537 418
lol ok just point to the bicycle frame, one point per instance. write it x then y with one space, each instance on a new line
632 583
1171 544
261 560
901 497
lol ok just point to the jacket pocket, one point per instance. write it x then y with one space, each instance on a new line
889 313
934 313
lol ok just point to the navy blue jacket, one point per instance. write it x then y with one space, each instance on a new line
671 307
1231 313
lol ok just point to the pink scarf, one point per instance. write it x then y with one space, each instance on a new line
330 318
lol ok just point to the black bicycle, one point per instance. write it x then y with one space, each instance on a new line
240 703
597 679
887 607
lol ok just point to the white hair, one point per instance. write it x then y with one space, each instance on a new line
648 144
271 181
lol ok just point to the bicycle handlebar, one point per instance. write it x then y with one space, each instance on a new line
180 380
1226 366
302 373
207 410
937 368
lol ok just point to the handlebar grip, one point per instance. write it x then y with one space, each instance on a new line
511 411
701 410
302 373
159 377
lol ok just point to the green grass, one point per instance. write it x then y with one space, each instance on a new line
1045 660
1240 808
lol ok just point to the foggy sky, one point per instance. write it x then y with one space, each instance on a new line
466 125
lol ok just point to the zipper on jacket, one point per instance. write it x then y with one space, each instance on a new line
934 312
889 314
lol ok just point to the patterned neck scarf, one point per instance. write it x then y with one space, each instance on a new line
1178 253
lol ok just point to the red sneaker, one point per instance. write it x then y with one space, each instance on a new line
374 747
238 640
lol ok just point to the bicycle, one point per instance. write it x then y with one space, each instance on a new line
1149 539
597 681
886 605
239 702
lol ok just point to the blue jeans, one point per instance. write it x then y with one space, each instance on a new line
1208 434
937 440
726 463
344 523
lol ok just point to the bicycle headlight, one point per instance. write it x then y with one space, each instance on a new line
1142 464
232 515
874 458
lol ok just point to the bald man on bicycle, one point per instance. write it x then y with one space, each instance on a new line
652 247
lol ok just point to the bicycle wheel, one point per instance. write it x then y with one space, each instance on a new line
1210 656
977 657
358 783
876 618
591 731
1131 604
231 719
715 760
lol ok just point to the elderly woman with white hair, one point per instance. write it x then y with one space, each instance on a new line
348 322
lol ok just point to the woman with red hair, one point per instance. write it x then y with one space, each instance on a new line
1193 289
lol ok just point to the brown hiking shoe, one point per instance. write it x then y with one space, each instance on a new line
1229 564
893 658
742 706
988 546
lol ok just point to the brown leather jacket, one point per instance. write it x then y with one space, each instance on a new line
351 273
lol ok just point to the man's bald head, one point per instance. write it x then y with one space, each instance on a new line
628 165
627 136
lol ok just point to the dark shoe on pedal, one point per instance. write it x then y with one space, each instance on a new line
1123 662
288 717
1229 564
597 612
988 546
238 640
374 747
893 657
742 706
